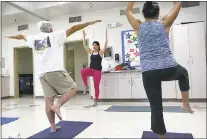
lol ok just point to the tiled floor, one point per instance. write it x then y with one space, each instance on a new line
32 119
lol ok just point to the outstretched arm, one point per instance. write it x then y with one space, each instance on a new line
132 20
84 43
105 45
172 15
78 27
17 37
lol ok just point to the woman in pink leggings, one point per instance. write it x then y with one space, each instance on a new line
95 66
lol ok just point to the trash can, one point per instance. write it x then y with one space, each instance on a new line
25 84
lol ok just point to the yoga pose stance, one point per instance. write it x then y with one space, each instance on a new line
53 77
95 66
156 59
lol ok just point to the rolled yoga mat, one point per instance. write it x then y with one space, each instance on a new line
174 109
69 129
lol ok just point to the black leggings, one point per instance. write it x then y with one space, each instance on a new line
152 81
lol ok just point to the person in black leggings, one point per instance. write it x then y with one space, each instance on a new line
156 60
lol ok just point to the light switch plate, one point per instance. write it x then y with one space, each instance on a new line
2 62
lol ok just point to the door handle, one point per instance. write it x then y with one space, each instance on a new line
188 61
132 82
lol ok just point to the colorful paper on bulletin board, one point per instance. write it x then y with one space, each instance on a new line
130 48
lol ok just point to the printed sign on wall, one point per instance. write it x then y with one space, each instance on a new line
130 48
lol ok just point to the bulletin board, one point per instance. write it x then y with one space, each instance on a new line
130 48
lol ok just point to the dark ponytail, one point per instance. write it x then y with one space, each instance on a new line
151 9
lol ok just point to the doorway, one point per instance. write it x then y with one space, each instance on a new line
23 72
71 63
75 58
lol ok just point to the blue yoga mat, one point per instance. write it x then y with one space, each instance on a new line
6 120
175 109
69 129
152 135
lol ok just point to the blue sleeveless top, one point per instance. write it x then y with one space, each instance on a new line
154 47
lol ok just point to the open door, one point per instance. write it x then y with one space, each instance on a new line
23 72
69 61
71 64
75 58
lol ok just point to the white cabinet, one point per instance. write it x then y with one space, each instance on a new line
190 52
197 44
102 89
111 91
181 50
168 90
128 86
124 88
138 91
5 86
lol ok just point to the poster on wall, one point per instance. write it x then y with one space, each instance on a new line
130 48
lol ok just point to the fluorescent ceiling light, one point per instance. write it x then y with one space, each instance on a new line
61 2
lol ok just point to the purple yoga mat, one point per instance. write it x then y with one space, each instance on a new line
152 135
69 129
6 120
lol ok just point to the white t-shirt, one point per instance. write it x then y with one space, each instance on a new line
47 52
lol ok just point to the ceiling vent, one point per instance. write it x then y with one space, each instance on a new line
187 4
75 19
134 11
23 27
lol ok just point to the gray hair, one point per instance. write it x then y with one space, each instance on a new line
45 26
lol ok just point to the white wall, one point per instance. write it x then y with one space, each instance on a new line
95 32
80 57
0 68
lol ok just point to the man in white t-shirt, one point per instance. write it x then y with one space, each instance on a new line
53 77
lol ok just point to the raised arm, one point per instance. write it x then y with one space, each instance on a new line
78 27
105 45
17 37
84 43
171 16
132 20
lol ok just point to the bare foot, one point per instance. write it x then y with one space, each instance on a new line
186 107
54 129
57 112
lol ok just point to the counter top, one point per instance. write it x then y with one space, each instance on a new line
121 71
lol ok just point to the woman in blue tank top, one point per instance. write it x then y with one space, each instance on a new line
156 60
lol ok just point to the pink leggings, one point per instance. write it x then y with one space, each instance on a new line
96 78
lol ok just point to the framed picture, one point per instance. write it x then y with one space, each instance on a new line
130 48
108 53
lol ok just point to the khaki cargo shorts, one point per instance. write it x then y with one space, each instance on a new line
56 83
